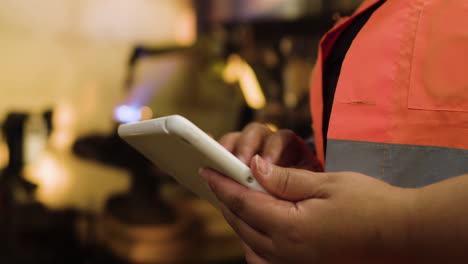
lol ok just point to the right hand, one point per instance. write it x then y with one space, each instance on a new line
283 147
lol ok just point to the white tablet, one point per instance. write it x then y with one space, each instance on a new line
180 148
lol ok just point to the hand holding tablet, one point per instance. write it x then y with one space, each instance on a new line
180 148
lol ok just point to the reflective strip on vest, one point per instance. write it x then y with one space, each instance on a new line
401 103
406 166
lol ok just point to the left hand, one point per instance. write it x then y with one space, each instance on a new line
313 217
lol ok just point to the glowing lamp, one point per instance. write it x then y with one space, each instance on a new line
238 70
127 114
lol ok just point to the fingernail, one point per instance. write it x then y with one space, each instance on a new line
242 158
203 173
263 166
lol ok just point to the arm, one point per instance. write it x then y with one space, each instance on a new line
439 220
344 215
331 217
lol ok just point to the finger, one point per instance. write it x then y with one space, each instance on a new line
261 211
229 141
253 258
260 243
290 184
282 148
251 141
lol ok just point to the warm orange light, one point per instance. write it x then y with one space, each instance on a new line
51 177
152 23
237 70
272 127
4 155
146 113
186 33
64 124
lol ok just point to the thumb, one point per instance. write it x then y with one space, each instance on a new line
289 184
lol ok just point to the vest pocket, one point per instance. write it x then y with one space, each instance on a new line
439 73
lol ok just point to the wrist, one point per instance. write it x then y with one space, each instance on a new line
395 220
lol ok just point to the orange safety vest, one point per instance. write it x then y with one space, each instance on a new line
400 112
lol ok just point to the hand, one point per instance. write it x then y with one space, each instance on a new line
283 147
313 217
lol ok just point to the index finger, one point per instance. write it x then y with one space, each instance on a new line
229 141
282 143
251 141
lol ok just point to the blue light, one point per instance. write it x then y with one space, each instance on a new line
127 114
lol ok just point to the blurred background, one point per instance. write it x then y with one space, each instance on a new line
71 71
